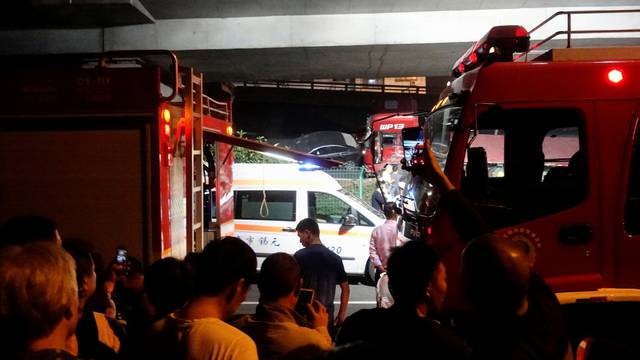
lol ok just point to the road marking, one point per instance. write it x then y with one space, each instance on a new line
335 302
358 302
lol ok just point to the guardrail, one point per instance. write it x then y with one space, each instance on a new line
569 31
215 108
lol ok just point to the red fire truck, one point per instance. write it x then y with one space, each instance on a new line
547 147
100 144
385 144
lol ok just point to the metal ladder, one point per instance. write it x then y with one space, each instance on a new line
194 144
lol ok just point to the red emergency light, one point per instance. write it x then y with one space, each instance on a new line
499 44
615 76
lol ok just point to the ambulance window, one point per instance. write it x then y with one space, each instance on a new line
363 221
632 211
278 205
326 208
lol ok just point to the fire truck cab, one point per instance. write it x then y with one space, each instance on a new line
384 145
548 151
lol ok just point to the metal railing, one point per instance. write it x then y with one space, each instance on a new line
336 86
569 31
217 109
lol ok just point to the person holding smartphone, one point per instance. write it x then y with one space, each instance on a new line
276 327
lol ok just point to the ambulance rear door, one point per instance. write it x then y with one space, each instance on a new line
266 219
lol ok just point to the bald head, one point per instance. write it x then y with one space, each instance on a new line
495 275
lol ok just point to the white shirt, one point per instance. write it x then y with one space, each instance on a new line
383 295
203 339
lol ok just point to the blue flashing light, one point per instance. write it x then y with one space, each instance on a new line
308 166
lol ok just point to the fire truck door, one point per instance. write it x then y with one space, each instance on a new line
625 257
528 173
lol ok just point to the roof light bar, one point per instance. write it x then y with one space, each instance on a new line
499 44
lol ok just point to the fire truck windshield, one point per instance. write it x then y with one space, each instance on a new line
439 128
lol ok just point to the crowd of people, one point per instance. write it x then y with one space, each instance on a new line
59 300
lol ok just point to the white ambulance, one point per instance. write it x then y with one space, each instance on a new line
270 199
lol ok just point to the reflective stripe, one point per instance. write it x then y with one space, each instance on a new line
278 229
259 228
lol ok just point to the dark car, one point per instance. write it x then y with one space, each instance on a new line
333 145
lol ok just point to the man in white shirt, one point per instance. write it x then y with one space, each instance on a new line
384 238
198 331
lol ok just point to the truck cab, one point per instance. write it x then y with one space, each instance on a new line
385 142
548 151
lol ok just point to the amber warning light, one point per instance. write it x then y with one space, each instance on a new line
615 76
229 131
166 115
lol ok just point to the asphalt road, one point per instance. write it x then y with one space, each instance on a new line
362 297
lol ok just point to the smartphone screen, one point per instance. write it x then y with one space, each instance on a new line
121 256
410 138
304 297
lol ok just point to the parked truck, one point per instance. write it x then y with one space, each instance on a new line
110 145
547 147
384 146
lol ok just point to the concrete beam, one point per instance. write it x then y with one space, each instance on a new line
350 29
66 14
171 9
315 30
315 46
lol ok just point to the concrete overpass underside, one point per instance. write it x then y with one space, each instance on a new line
293 39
